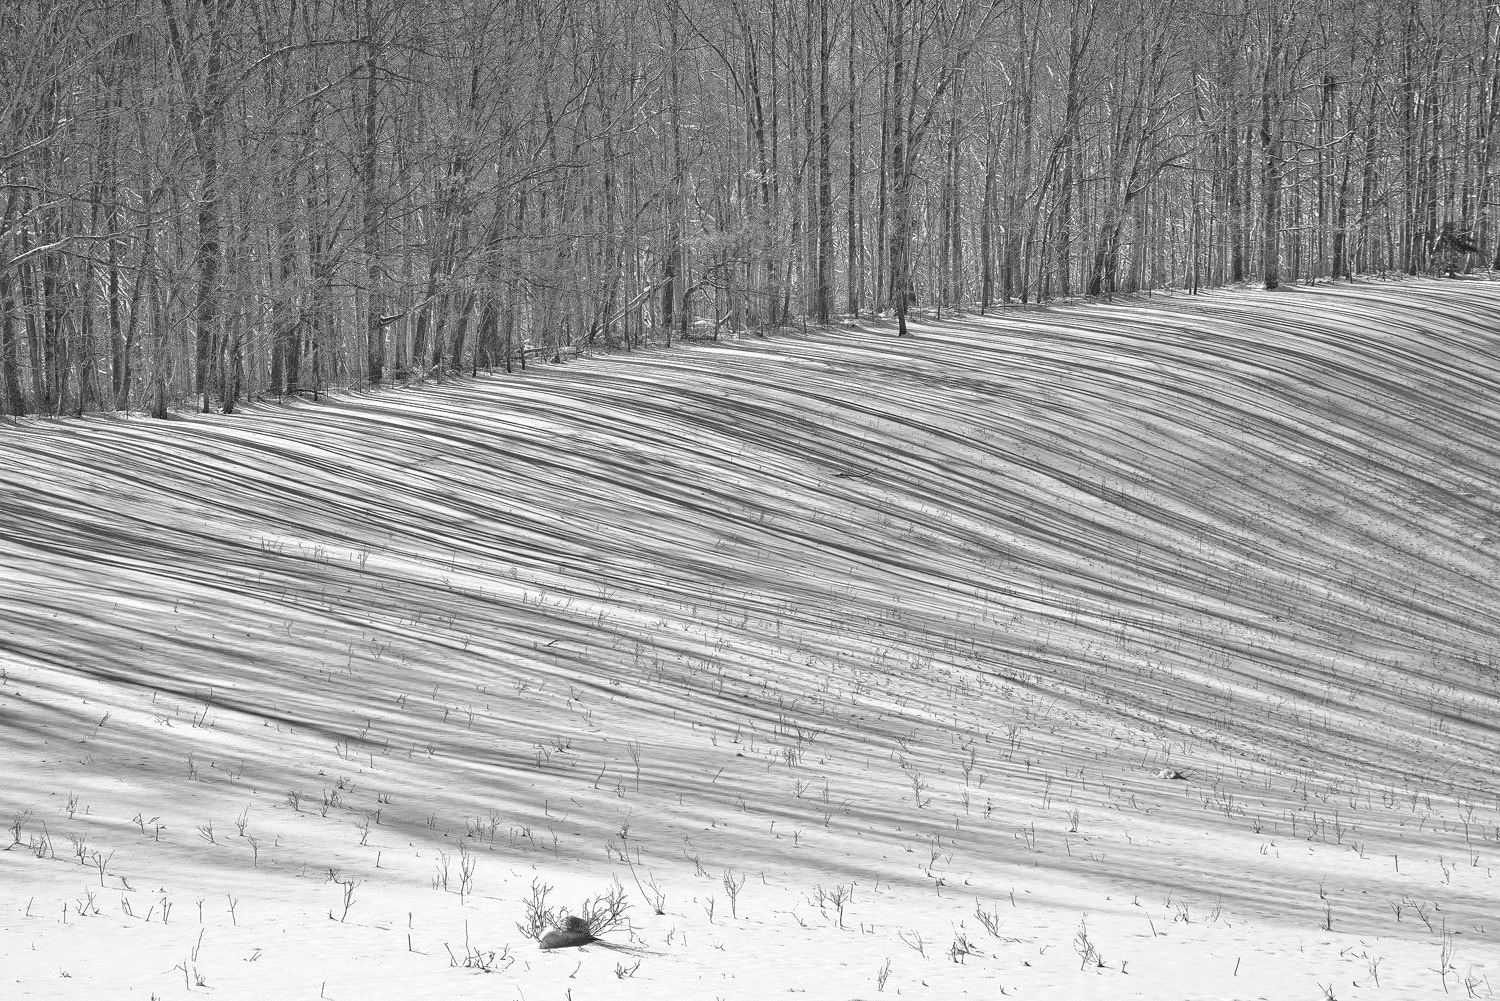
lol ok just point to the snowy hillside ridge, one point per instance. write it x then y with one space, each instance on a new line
1140 651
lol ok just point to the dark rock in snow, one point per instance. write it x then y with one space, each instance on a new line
574 932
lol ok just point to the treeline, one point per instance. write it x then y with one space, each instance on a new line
204 201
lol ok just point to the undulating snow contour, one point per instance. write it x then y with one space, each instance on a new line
1144 650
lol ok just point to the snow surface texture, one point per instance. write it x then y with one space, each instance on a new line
1133 651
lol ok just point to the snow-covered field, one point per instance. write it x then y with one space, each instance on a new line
867 662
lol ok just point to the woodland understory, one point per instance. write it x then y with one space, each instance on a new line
209 201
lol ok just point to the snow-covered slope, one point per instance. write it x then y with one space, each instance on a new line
866 660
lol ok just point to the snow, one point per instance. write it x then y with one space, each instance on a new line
1165 627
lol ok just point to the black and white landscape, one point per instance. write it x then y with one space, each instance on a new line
696 499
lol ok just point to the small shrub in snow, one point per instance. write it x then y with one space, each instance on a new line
555 928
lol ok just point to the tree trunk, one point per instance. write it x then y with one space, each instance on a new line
823 298
373 209
1270 143
855 246
900 191
12 399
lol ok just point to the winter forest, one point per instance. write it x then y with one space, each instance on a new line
204 202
